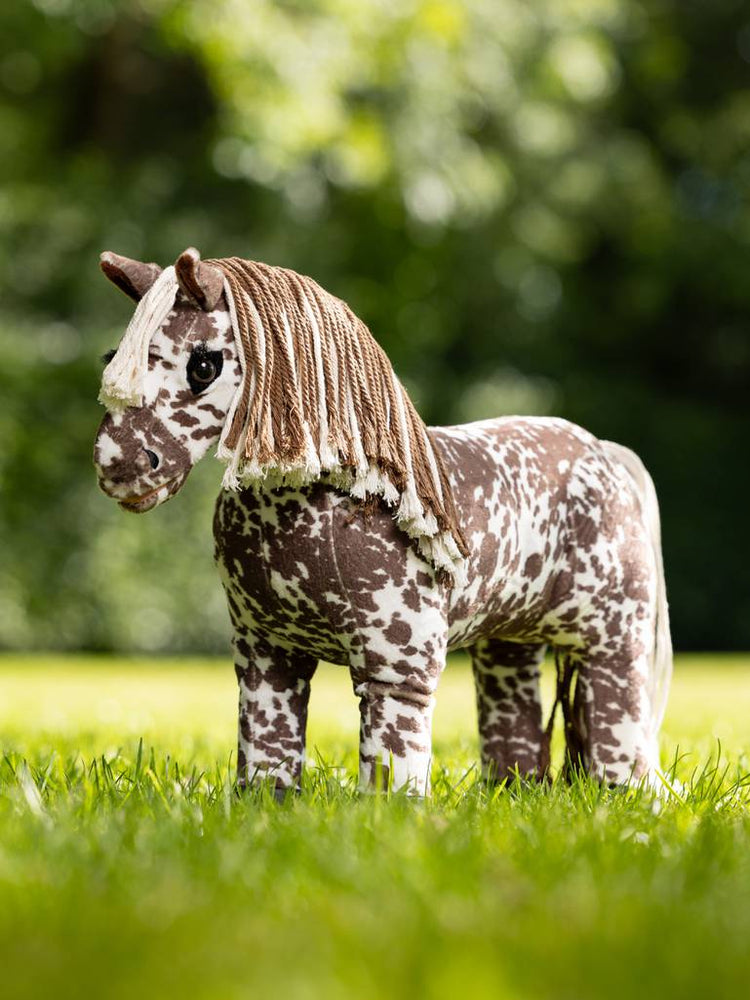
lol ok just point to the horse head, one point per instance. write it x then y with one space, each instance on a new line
283 375
179 352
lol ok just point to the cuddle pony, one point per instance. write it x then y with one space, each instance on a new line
348 531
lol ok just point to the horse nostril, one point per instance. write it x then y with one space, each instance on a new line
153 458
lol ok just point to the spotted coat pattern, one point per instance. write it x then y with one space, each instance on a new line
559 554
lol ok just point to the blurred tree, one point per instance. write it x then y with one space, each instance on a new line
536 209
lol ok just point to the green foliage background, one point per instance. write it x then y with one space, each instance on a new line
536 207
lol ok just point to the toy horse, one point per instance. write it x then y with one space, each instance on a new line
347 530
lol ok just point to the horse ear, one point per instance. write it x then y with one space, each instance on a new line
131 276
203 283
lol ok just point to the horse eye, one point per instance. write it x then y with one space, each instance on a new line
204 371
203 368
107 356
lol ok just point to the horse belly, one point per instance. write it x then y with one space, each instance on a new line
518 606
516 559
510 480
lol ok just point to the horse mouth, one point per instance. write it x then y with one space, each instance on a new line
144 502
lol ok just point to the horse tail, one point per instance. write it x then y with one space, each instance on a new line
661 662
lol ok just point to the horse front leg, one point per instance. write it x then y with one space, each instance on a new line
274 691
395 736
509 707
396 704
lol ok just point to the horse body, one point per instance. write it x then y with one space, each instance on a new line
558 554
365 539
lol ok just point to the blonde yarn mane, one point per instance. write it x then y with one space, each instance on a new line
319 397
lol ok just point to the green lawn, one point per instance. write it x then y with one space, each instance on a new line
136 873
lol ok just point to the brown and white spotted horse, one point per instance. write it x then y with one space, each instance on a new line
558 531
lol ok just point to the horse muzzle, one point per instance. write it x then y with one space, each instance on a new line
138 462
139 504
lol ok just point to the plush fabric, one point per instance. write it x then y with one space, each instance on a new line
550 537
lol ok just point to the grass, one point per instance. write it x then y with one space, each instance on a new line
129 869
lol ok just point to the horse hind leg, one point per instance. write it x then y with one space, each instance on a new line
611 716
509 707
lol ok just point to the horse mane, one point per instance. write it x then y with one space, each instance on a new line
319 397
